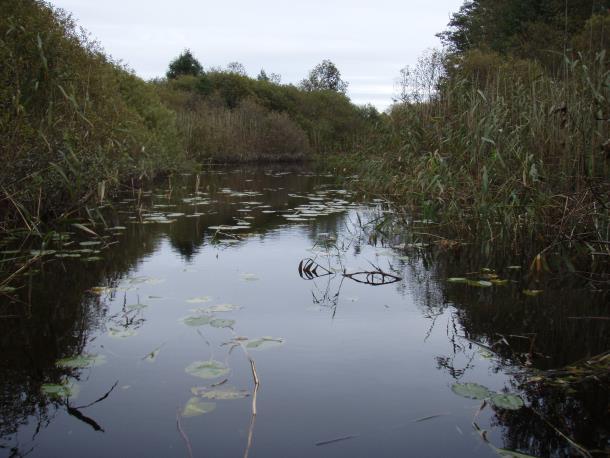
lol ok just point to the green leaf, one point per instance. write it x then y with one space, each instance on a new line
199 320
220 323
480 283
506 401
199 299
470 390
221 394
265 342
457 280
121 333
196 406
218 308
60 390
532 292
207 369
511 453
81 361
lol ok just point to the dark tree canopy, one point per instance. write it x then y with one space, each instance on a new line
523 27
184 64
325 77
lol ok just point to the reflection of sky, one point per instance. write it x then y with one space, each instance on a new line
368 371
369 41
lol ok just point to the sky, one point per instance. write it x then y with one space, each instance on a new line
369 41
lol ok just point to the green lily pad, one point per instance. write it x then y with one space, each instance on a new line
480 283
506 401
265 342
90 243
121 333
207 369
218 308
221 394
199 299
532 292
220 323
81 361
470 390
457 280
136 306
199 320
60 390
196 406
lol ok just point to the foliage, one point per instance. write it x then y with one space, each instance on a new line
72 121
325 77
184 64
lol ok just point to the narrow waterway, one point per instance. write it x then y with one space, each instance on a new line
146 339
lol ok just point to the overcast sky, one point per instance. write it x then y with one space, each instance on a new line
369 41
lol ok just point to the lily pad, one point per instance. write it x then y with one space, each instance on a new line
506 401
218 308
480 283
207 369
81 361
532 292
121 333
470 390
457 280
221 323
196 406
199 320
265 342
199 299
60 390
90 243
221 394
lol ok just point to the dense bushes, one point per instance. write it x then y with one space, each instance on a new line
70 118
311 121
505 149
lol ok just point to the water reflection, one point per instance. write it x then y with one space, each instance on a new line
386 360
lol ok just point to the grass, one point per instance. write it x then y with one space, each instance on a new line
503 152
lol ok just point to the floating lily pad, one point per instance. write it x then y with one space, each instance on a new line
221 323
152 356
136 306
499 282
195 406
90 243
7 289
506 401
218 308
480 283
92 259
121 333
199 299
207 369
81 361
60 390
265 342
470 390
457 280
199 320
532 292
221 394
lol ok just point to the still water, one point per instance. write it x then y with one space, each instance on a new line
146 339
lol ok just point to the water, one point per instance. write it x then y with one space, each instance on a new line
371 365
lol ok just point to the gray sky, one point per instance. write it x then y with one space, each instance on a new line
369 41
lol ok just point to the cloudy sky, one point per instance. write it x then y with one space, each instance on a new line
369 41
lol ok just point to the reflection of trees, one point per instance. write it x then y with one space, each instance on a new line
519 330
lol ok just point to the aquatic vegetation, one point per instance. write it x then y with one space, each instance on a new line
81 361
207 369
195 407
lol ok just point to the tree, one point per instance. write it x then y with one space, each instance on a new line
184 64
271 78
262 76
237 68
324 77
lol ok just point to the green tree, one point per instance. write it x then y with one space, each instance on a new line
324 77
184 64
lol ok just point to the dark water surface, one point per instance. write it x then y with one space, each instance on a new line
375 366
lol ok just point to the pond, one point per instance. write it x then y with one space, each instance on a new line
244 312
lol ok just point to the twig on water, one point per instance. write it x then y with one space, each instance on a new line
185 438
